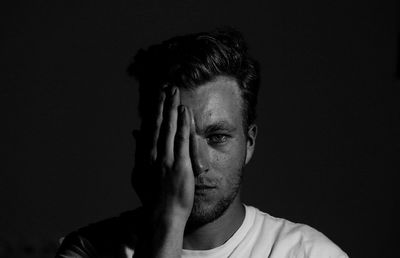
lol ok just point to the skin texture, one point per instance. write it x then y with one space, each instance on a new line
195 162
217 146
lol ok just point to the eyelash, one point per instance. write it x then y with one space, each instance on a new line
219 141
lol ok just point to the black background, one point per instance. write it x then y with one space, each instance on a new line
328 116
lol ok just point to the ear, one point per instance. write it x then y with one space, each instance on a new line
251 141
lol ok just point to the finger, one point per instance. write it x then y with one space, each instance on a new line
156 126
165 144
182 136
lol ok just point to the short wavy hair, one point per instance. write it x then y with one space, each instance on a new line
192 60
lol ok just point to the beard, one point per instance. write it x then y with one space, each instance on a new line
203 212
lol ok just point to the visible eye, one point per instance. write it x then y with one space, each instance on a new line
217 138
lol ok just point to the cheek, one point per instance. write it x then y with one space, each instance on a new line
228 163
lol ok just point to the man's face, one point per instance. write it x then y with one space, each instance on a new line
219 146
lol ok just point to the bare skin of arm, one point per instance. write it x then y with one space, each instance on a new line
168 159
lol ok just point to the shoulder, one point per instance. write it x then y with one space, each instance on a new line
103 237
291 239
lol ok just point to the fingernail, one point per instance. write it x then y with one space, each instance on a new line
165 88
173 91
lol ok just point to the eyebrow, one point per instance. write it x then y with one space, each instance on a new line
218 126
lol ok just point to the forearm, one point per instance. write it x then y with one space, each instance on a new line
163 239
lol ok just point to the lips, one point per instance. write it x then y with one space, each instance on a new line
202 190
203 187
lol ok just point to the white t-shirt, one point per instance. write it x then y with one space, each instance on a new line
262 235
259 236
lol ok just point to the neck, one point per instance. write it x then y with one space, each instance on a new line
217 232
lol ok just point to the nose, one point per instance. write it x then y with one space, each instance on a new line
199 155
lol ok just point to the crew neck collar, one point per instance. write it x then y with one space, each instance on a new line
231 243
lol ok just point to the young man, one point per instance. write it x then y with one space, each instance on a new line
198 98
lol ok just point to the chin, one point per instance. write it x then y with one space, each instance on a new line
204 211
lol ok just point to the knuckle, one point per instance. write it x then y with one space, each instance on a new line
165 163
181 164
169 127
159 118
181 137
156 124
177 167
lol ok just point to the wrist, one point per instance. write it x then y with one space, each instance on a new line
170 218
163 234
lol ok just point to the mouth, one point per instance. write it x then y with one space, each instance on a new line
201 189
201 186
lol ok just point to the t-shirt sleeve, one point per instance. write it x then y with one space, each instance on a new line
107 238
302 241
325 250
314 244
